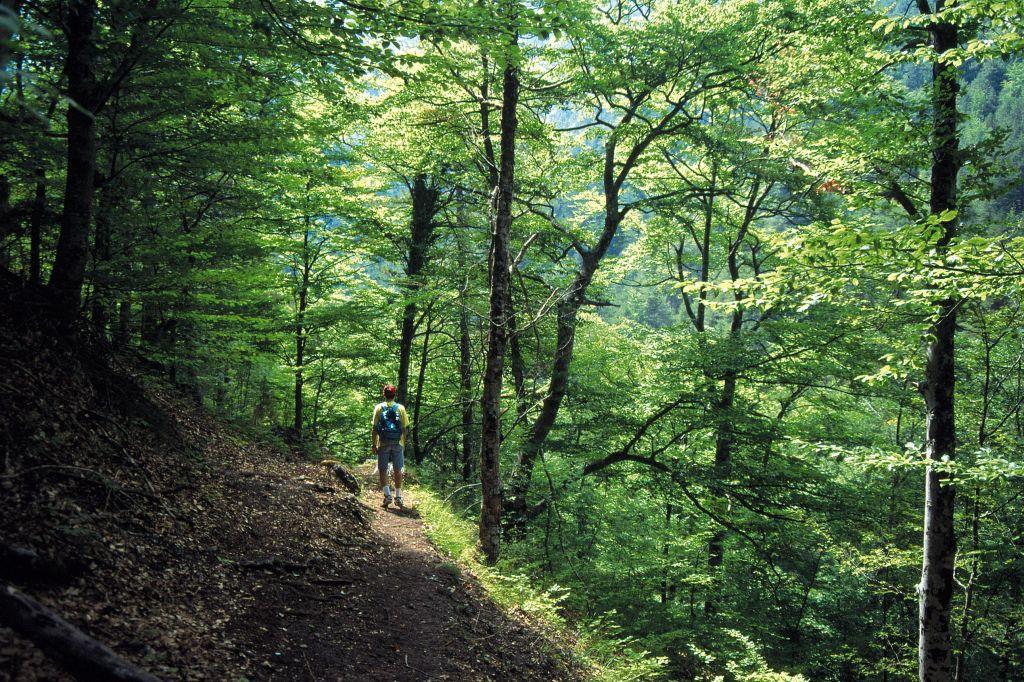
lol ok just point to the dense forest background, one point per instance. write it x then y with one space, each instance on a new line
700 262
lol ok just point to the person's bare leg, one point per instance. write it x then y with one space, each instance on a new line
382 477
399 471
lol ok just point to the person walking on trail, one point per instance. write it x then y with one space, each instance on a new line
390 426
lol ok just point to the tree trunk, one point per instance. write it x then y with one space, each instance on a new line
515 353
568 311
667 587
405 350
960 665
300 329
697 312
149 318
490 401
724 433
723 466
262 407
78 653
124 319
417 453
8 219
316 400
73 242
565 338
936 588
465 386
965 624
100 304
425 198
35 224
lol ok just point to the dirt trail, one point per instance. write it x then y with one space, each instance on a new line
198 551
205 555
395 609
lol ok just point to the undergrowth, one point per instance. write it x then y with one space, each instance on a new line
598 645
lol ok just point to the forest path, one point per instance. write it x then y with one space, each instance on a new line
207 554
387 606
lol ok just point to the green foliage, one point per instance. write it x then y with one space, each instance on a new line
746 357
600 646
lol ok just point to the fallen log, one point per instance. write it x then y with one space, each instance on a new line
23 564
26 566
76 652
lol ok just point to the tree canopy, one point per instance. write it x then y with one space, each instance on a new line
711 298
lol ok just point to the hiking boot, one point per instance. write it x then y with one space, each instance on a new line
400 502
387 502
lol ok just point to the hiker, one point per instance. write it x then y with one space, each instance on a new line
390 425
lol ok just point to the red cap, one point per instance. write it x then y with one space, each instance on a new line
389 391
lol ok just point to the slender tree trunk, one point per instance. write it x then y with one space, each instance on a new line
697 311
220 395
490 401
124 320
936 587
316 400
565 339
666 584
8 220
35 223
960 665
490 161
300 330
100 304
614 174
261 408
724 433
883 574
405 350
149 317
73 242
417 453
724 441
515 353
723 466
965 623
425 205
182 337
299 359
465 386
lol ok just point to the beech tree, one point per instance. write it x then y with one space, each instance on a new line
729 281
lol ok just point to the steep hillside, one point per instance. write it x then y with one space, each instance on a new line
196 552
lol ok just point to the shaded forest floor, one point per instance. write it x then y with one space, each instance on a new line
200 553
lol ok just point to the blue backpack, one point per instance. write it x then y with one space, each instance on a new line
389 426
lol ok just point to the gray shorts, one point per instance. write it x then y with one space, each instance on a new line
393 452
